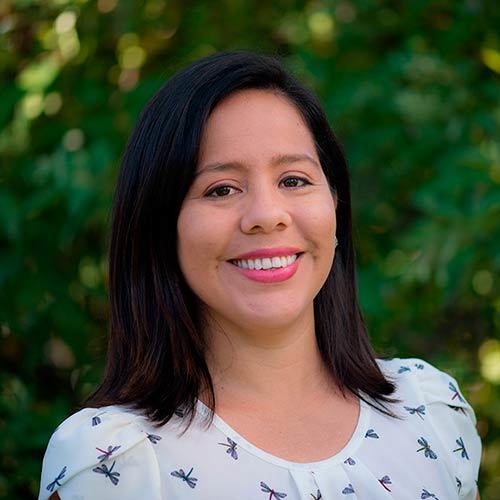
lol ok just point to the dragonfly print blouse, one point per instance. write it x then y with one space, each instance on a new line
432 452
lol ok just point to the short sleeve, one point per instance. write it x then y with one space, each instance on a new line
455 423
100 454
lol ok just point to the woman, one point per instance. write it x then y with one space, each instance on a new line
232 288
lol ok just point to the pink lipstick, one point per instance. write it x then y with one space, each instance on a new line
270 265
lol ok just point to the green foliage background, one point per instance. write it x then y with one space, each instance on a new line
412 90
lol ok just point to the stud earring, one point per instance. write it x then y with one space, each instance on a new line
336 242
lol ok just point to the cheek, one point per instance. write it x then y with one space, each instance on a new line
319 221
201 240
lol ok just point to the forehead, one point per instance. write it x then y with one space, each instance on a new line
252 125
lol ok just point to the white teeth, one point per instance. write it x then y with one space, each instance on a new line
266 263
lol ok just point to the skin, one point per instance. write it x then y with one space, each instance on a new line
256 210
263 354
267 329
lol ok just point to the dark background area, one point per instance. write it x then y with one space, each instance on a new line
411 89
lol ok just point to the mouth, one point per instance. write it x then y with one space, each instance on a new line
267 263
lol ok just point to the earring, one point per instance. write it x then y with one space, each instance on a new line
336 242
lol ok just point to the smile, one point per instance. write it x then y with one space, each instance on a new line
268 270
266 263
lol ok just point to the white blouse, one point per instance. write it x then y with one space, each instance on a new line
432 452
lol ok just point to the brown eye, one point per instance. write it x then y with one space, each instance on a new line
219 192
293 182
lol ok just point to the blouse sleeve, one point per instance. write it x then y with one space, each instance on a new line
100 454
455 422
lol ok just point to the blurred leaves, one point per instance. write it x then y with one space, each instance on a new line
412 90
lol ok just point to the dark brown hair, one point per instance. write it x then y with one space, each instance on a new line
156 353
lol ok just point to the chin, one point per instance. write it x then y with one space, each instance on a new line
270 316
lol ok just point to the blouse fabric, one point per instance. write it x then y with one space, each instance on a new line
433 451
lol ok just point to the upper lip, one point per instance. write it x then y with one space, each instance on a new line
262 253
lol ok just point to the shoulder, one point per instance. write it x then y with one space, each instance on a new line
100 452
433 384
437 397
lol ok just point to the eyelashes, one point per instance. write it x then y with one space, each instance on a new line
219 191
304 182
290 182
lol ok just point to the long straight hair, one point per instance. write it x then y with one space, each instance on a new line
156 352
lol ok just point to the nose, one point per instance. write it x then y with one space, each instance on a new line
265 211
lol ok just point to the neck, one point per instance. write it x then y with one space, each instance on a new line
279 366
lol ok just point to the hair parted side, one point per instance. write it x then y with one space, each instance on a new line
156 351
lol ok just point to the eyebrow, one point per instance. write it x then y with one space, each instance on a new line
277 160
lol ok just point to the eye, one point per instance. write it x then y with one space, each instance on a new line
294 182
220 191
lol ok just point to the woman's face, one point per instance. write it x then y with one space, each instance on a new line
259 199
